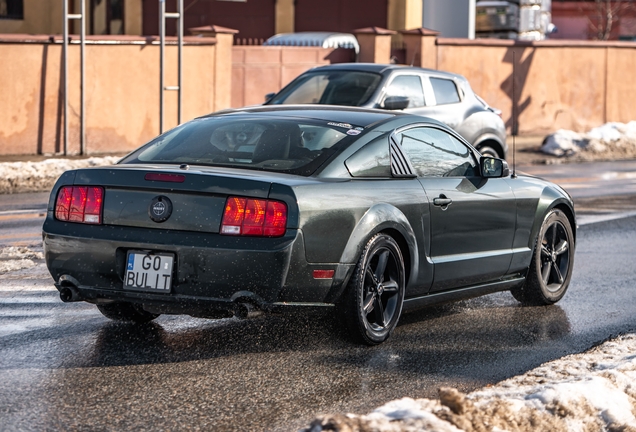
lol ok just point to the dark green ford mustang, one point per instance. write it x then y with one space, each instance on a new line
275 208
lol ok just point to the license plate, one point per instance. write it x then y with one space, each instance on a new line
146 271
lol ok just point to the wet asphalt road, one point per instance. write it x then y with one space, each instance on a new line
64 366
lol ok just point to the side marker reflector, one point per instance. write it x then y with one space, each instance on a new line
324 274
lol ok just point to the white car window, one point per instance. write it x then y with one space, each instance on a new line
445 91
409 86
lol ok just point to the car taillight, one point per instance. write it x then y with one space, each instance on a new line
254 217
82 204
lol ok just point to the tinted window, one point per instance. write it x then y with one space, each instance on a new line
372 160
349 88
294 146
435 153
409 86
445 91
12 9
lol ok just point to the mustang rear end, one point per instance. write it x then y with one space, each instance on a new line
174 242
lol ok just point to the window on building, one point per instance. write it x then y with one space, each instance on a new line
107 17
12 9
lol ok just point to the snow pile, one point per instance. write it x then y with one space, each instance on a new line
18 258
609 141
17 177
593 391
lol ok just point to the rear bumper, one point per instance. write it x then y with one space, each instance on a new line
211 271
205 307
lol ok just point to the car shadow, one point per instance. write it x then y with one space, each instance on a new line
463 336
476 329
175 341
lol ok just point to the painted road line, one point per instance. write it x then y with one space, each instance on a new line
590 219
23 211
20 236
4 218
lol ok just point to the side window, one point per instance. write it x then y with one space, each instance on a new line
409 86
372 160
445 91
435 153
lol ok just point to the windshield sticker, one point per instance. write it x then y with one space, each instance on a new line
342 125
353 132
359 128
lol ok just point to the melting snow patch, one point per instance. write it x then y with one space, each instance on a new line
609 141
18 258
17 177
20 253
13 265
593 391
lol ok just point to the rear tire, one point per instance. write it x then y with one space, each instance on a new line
373 301
552 262
122 311
487 150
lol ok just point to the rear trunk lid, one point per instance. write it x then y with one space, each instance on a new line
193 199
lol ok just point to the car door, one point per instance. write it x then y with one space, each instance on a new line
447 105
472 218
423 97
410 86
378 169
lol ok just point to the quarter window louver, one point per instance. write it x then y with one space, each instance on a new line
400 165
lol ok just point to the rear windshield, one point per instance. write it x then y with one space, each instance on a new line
349 88
282 145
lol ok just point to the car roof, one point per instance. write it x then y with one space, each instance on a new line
332 113
383 69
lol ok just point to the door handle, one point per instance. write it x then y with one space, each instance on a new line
442 201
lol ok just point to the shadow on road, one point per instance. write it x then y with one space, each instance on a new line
460 337
425 341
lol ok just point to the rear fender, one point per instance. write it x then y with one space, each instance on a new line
380 217
482 125
488 137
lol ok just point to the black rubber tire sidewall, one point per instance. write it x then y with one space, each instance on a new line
488 151
356 322
534 291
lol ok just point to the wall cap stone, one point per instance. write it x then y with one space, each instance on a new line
204 30
374 30
554 43
103 39
420 31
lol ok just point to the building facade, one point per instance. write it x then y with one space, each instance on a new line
254 19
594 19
45 16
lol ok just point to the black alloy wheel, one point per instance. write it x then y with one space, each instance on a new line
551 266
375 295
124 311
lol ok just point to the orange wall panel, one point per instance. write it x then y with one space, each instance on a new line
557 85
258 70
621 84
121 94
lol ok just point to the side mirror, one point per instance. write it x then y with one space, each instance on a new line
269 96
395 103
493 167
